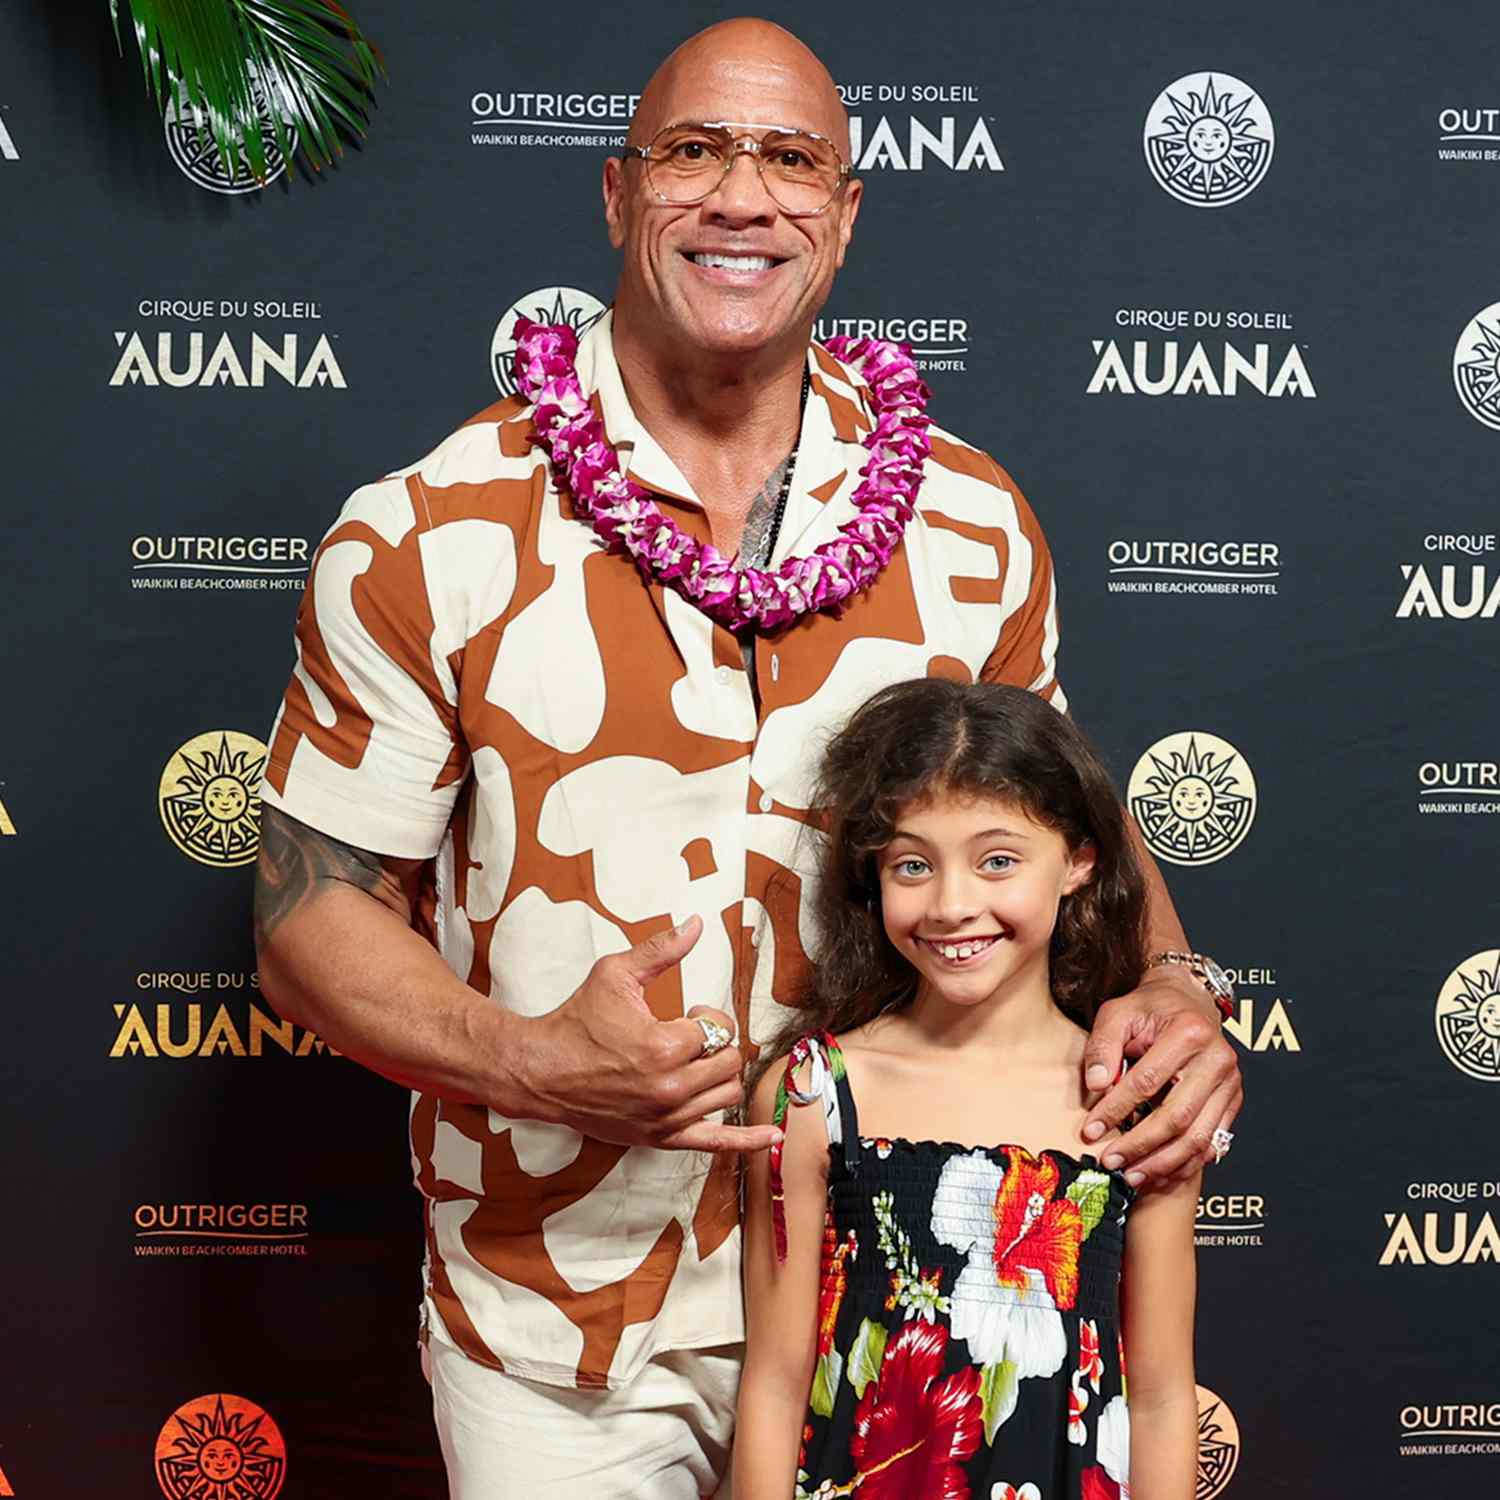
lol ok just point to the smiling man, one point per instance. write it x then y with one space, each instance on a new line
534 828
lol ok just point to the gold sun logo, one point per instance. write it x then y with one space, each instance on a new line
1209 139
1468 1016
209 797
1218 1444
220 1447
1194 797
1476 366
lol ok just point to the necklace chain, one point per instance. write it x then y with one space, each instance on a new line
765 547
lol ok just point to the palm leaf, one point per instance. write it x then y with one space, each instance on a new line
308 58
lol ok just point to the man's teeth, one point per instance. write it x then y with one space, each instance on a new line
962 950
733 262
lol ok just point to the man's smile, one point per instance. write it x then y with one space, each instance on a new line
733 267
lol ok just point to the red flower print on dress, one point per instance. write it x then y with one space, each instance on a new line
1090 1361
914 1429
1097 1485
1035 1231
830 1362
1078 1403
835 1281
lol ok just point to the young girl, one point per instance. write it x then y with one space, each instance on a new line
932 1271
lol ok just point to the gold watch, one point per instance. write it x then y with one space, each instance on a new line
1206 972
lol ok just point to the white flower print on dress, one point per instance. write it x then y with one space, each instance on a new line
1114 1444
1016 1319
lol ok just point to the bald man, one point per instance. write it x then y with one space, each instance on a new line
532 831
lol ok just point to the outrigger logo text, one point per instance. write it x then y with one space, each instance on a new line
1143 370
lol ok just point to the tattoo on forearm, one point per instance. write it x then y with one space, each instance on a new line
761 515
293 860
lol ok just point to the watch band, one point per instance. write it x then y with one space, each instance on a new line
1209 974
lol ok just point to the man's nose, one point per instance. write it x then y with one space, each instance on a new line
741 196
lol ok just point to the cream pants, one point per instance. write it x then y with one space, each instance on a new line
665 1436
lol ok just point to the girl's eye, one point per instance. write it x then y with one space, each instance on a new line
910 867
998 862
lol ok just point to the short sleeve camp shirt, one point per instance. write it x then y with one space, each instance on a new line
581 758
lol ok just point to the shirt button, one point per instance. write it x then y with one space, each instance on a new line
722 673
767 802
775 667
755 938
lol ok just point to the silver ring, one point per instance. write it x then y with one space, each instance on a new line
1221 1141
715 1037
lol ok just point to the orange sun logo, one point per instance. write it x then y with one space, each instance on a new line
220 1447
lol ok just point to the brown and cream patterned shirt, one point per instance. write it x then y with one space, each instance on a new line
580 756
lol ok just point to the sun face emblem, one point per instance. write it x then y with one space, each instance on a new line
1476 366
1218 1444
190 143
220 1447
209 797
548 304
1209 139
1194 798
1468 1016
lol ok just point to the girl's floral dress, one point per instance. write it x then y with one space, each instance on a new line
968 1321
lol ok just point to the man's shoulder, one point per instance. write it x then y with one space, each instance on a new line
481 470
490 451
953 456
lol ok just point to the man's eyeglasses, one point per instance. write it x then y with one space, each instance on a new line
801 170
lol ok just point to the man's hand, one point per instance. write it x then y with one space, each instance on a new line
1170 1028
604 1065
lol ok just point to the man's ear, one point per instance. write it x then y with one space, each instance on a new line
849 213
1080 868
613 187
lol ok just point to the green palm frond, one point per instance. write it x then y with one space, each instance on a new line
314 65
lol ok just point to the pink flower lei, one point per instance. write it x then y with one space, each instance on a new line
734 594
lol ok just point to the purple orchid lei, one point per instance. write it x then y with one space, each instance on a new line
734 594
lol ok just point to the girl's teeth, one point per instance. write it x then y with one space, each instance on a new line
963 950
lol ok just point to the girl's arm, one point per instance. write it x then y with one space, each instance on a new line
1157 1311
781 1301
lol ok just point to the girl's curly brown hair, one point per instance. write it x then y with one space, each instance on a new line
915 740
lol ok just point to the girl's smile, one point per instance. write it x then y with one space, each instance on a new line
969 890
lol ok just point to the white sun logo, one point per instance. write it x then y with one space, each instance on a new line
548 304
1193 796
210 797
1476 366
1209 139
1468 1016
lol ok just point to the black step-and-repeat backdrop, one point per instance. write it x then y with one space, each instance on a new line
1217 284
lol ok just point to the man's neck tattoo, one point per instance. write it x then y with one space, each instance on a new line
758 537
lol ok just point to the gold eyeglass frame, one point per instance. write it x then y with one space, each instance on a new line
746 145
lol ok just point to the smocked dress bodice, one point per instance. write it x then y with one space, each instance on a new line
968 1320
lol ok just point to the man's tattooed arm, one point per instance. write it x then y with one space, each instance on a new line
295 861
